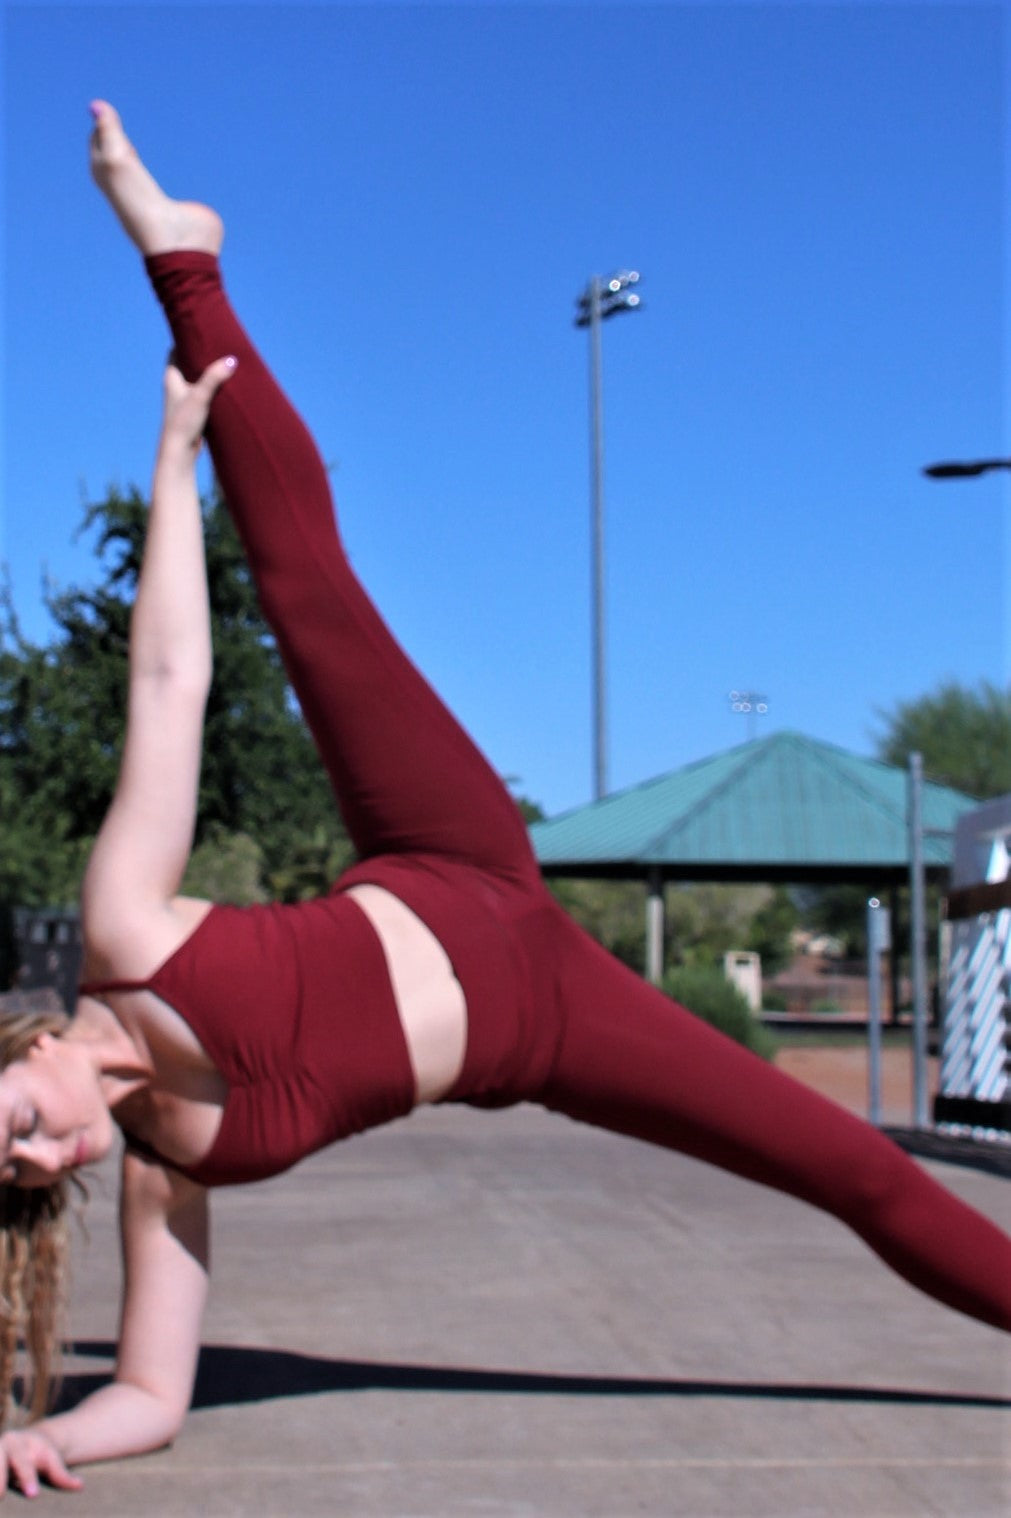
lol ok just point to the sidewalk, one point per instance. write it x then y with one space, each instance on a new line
507 1314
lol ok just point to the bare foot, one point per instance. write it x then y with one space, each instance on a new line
152 220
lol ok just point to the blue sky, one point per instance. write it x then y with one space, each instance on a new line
416 194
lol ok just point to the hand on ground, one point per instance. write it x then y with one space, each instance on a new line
28 1458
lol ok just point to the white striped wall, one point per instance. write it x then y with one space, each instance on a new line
974 1052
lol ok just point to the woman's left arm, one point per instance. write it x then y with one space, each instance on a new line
166 1247
143 846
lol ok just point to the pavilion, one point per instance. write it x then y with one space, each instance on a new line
784 808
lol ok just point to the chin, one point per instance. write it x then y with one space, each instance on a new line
99 1142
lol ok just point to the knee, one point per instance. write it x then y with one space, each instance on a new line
875 1180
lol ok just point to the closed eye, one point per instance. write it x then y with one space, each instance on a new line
23 1130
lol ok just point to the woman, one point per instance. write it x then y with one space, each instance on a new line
230 1043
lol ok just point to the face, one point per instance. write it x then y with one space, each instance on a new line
53 1117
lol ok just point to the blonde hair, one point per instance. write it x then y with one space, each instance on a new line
33 1247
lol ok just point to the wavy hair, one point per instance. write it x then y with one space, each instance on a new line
34 1252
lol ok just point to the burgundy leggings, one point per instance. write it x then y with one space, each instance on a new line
551 1017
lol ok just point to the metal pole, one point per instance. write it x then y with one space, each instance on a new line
874 911
918 940
654 927
894 968
597 542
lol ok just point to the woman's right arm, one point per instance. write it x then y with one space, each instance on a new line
141 851
164 1221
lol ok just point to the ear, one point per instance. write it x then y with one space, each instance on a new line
42 1043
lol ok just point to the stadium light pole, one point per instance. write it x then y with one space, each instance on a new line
601 298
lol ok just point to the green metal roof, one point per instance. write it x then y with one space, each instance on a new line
785 807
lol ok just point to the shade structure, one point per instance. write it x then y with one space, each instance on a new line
786 807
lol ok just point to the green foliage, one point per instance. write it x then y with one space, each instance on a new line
773 1001
964 735
701 922
611 911
707 992
706 921
226 867
311 866
62 714
840 912
771 928
531 811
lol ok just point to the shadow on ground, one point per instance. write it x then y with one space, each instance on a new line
231 1375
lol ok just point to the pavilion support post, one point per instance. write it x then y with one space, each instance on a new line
654 926
918 939
894 957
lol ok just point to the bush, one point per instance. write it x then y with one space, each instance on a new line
226 867
709 994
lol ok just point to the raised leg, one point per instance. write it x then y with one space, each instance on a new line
406 776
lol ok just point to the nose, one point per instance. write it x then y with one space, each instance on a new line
40 1154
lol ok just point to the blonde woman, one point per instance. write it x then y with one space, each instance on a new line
229 1043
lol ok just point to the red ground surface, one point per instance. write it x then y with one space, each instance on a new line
841 1073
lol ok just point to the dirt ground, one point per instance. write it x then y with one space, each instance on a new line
841 1073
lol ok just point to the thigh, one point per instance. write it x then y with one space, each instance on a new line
406 776
633 1060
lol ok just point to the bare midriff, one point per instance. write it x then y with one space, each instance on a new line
429 998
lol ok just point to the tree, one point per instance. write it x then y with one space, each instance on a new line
62 712
771 930
707 920
840 912
611 911
964 735
701 922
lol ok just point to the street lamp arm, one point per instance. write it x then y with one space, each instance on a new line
957 470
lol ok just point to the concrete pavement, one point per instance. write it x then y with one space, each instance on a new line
506 1314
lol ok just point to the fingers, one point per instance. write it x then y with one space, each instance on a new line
51 1466
215 375
21 1470
187 405
30 1457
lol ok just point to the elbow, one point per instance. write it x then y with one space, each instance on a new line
173 1427
152 1418
171 681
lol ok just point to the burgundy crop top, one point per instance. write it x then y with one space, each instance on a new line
294 1007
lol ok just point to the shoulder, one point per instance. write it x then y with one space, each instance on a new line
153 1192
